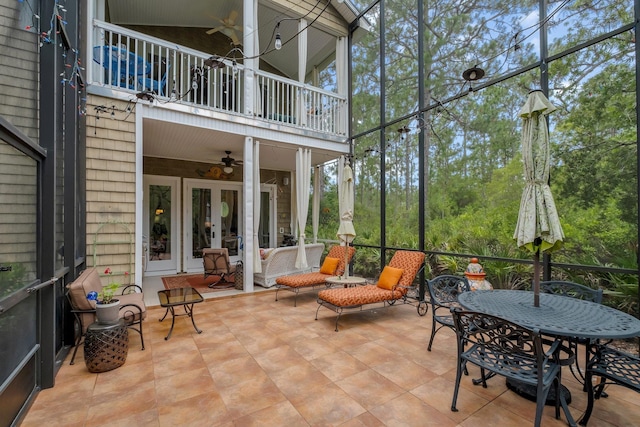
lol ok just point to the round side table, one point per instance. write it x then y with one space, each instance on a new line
347 282
106 346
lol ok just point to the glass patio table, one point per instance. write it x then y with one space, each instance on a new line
185 297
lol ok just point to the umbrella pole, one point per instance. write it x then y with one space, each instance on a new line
536 279
346 260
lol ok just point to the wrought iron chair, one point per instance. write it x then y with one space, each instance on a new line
505 348
574 290
216 262
443 293
613 367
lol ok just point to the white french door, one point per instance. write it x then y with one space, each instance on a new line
213 215
161 224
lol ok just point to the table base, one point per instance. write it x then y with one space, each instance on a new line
106 346
529 392
188 311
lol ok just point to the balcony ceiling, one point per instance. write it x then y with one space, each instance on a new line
206 15
177 141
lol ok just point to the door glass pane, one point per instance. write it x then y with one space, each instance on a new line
160 222
229 221
201 220
265 223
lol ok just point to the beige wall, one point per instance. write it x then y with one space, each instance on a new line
111 193
111 188
19 69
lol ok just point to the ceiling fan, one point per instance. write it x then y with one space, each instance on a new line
228 27
229 162
217 172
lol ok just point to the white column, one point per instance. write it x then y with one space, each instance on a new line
250 48
247 187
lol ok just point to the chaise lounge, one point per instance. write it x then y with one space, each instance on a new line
333 265
394 284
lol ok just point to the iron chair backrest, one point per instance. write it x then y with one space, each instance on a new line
443 295
216 261
613 367
573 290
507 349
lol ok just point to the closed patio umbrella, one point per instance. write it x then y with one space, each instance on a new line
346 232
538 229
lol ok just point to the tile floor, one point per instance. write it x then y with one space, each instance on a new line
259 362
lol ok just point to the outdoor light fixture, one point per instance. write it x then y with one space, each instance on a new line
227 169
403 131
214 62
145 95
278 42
473 74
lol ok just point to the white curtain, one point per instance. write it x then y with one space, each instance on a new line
257 265
302 69
303 181
315 208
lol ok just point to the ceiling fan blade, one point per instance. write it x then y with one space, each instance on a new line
232 17
215 30
234 38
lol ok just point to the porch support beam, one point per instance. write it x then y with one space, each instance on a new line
247 188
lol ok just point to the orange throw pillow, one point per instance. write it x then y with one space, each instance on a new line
329 265
390 277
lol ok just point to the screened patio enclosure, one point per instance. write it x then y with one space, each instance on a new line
436 91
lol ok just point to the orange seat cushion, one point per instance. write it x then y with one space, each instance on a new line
389 277
302 280
359 295
329 266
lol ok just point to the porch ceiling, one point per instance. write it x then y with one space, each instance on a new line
203 14
198 144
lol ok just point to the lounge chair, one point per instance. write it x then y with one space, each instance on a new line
295 282
394 284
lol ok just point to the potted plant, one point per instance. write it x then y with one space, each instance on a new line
107 307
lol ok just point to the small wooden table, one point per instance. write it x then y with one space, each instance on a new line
348 282
186 297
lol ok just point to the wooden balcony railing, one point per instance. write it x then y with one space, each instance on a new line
130 61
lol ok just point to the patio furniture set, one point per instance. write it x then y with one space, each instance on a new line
501 331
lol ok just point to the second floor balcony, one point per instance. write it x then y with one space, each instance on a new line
162 72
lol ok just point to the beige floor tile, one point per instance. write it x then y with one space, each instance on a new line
261 362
